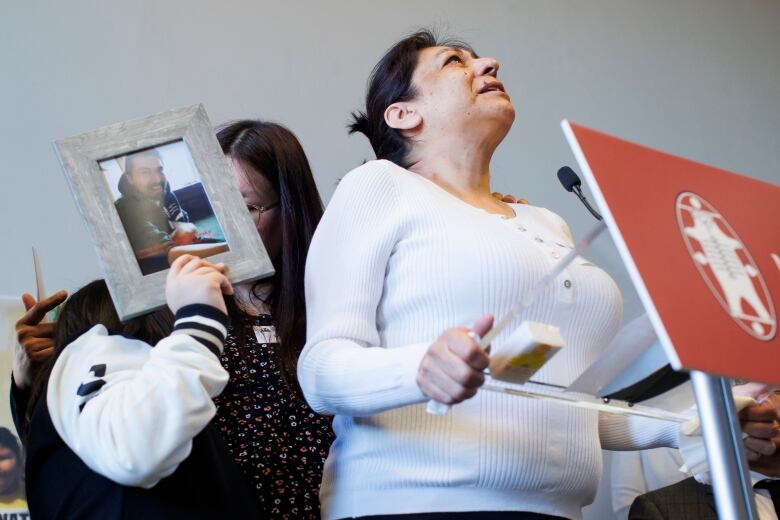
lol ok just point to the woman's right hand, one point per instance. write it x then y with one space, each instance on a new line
452 369
195 280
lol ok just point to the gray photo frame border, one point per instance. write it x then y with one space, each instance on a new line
132 292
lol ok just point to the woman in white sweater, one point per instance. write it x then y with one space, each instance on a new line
411 251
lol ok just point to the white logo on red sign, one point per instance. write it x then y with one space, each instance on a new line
726 266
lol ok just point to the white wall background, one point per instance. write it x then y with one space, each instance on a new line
699 78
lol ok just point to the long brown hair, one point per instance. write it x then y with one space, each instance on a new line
274 152
89 306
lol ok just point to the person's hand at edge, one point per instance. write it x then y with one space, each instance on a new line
34 337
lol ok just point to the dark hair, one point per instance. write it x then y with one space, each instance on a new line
89 306
131 157
9 441
390 82
275 153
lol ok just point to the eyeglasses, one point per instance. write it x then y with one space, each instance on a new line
259 210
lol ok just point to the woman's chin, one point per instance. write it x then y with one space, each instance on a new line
500 110
503 118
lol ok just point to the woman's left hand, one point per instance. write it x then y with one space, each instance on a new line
511 199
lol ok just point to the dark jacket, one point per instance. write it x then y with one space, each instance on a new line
208 485
686 499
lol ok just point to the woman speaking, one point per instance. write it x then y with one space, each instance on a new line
413 253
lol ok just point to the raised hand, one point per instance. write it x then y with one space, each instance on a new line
195 280
34 337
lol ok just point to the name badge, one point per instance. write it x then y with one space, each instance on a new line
265 334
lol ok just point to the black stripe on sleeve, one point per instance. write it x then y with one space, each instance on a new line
90 388
207 311
183 326
209 345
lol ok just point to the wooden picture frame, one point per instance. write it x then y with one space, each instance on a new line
133 292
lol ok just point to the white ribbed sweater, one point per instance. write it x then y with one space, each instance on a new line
395 261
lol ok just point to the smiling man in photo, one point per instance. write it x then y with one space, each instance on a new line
150 212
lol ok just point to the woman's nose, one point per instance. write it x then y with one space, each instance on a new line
486 67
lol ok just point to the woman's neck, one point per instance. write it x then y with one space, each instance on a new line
253 302
459 173
464 172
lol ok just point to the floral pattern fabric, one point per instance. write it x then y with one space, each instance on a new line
277 440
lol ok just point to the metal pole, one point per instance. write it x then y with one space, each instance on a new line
723 441
738 446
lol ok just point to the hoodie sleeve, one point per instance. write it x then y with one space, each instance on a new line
130 411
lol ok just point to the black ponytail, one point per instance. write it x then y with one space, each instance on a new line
390 82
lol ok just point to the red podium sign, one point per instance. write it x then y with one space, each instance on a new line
702 246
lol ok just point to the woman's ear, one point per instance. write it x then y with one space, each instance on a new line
402 116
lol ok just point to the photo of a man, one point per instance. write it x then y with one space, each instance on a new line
157 224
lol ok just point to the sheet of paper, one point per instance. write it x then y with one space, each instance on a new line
629 343
534 391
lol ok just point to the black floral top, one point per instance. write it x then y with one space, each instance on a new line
273 435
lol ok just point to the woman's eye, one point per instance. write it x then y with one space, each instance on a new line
453 59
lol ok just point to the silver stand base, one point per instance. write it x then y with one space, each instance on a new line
723 441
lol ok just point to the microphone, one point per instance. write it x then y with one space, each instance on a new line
571 182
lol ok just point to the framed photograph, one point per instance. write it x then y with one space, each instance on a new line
153 189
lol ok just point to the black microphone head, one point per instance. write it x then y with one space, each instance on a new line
568 178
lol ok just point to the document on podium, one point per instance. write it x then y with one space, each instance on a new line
543 392
633 340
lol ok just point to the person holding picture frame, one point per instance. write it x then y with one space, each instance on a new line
279 443
121 422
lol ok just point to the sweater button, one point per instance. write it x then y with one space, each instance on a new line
567 284
538 239
556 254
